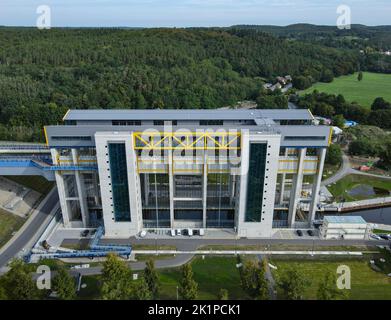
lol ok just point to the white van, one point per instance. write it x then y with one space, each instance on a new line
172 232
178 232
190 232
202 232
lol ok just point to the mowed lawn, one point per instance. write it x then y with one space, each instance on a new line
211 274
363 92
365 282
9 223
341 189
37 183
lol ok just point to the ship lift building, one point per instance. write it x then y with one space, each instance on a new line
250 171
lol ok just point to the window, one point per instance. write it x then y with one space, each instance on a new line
126 123
71 138
255 182
211 122
70 122
158 123
293 138
119 182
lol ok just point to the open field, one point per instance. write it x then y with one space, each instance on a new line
37 183
365 282
9 223
365 92
343 188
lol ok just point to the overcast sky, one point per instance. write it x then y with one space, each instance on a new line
187 13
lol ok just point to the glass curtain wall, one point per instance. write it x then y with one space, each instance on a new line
220 203
155 197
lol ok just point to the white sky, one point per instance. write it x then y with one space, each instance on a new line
187 13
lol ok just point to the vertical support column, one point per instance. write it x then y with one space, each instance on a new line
63 202
232 179
168 143
204 189
296 187
316 185
80 191
282 187
61 191
146 188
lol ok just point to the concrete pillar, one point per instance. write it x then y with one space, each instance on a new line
204 189
63 202
282 188
232 180
81 191
146 188
171 183
316 185
61 191
296 187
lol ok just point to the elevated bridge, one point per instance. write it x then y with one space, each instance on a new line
17 159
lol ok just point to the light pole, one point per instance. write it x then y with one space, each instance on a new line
177 292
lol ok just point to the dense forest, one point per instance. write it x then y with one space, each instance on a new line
45 72
371 41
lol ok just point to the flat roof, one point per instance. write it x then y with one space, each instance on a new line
345 219
185 114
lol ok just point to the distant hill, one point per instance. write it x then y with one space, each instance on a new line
377 36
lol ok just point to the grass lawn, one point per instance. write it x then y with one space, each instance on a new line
9 224
365 92
37 183
365 282
342 187
211 274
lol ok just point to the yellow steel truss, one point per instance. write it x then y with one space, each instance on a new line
186 140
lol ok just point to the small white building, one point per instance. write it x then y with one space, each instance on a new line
344 227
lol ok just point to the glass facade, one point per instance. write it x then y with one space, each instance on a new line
255 182
155 197
220 205
119 181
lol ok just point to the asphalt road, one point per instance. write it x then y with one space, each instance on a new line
24 238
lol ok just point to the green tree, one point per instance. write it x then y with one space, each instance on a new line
339 121
328 289
334 155
64 285
223 294
327 76
380 104
254 281
293 283
364 147
3 295
141 291
385 155
18 283
302 82
188 288
116 279
360 76
152 278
